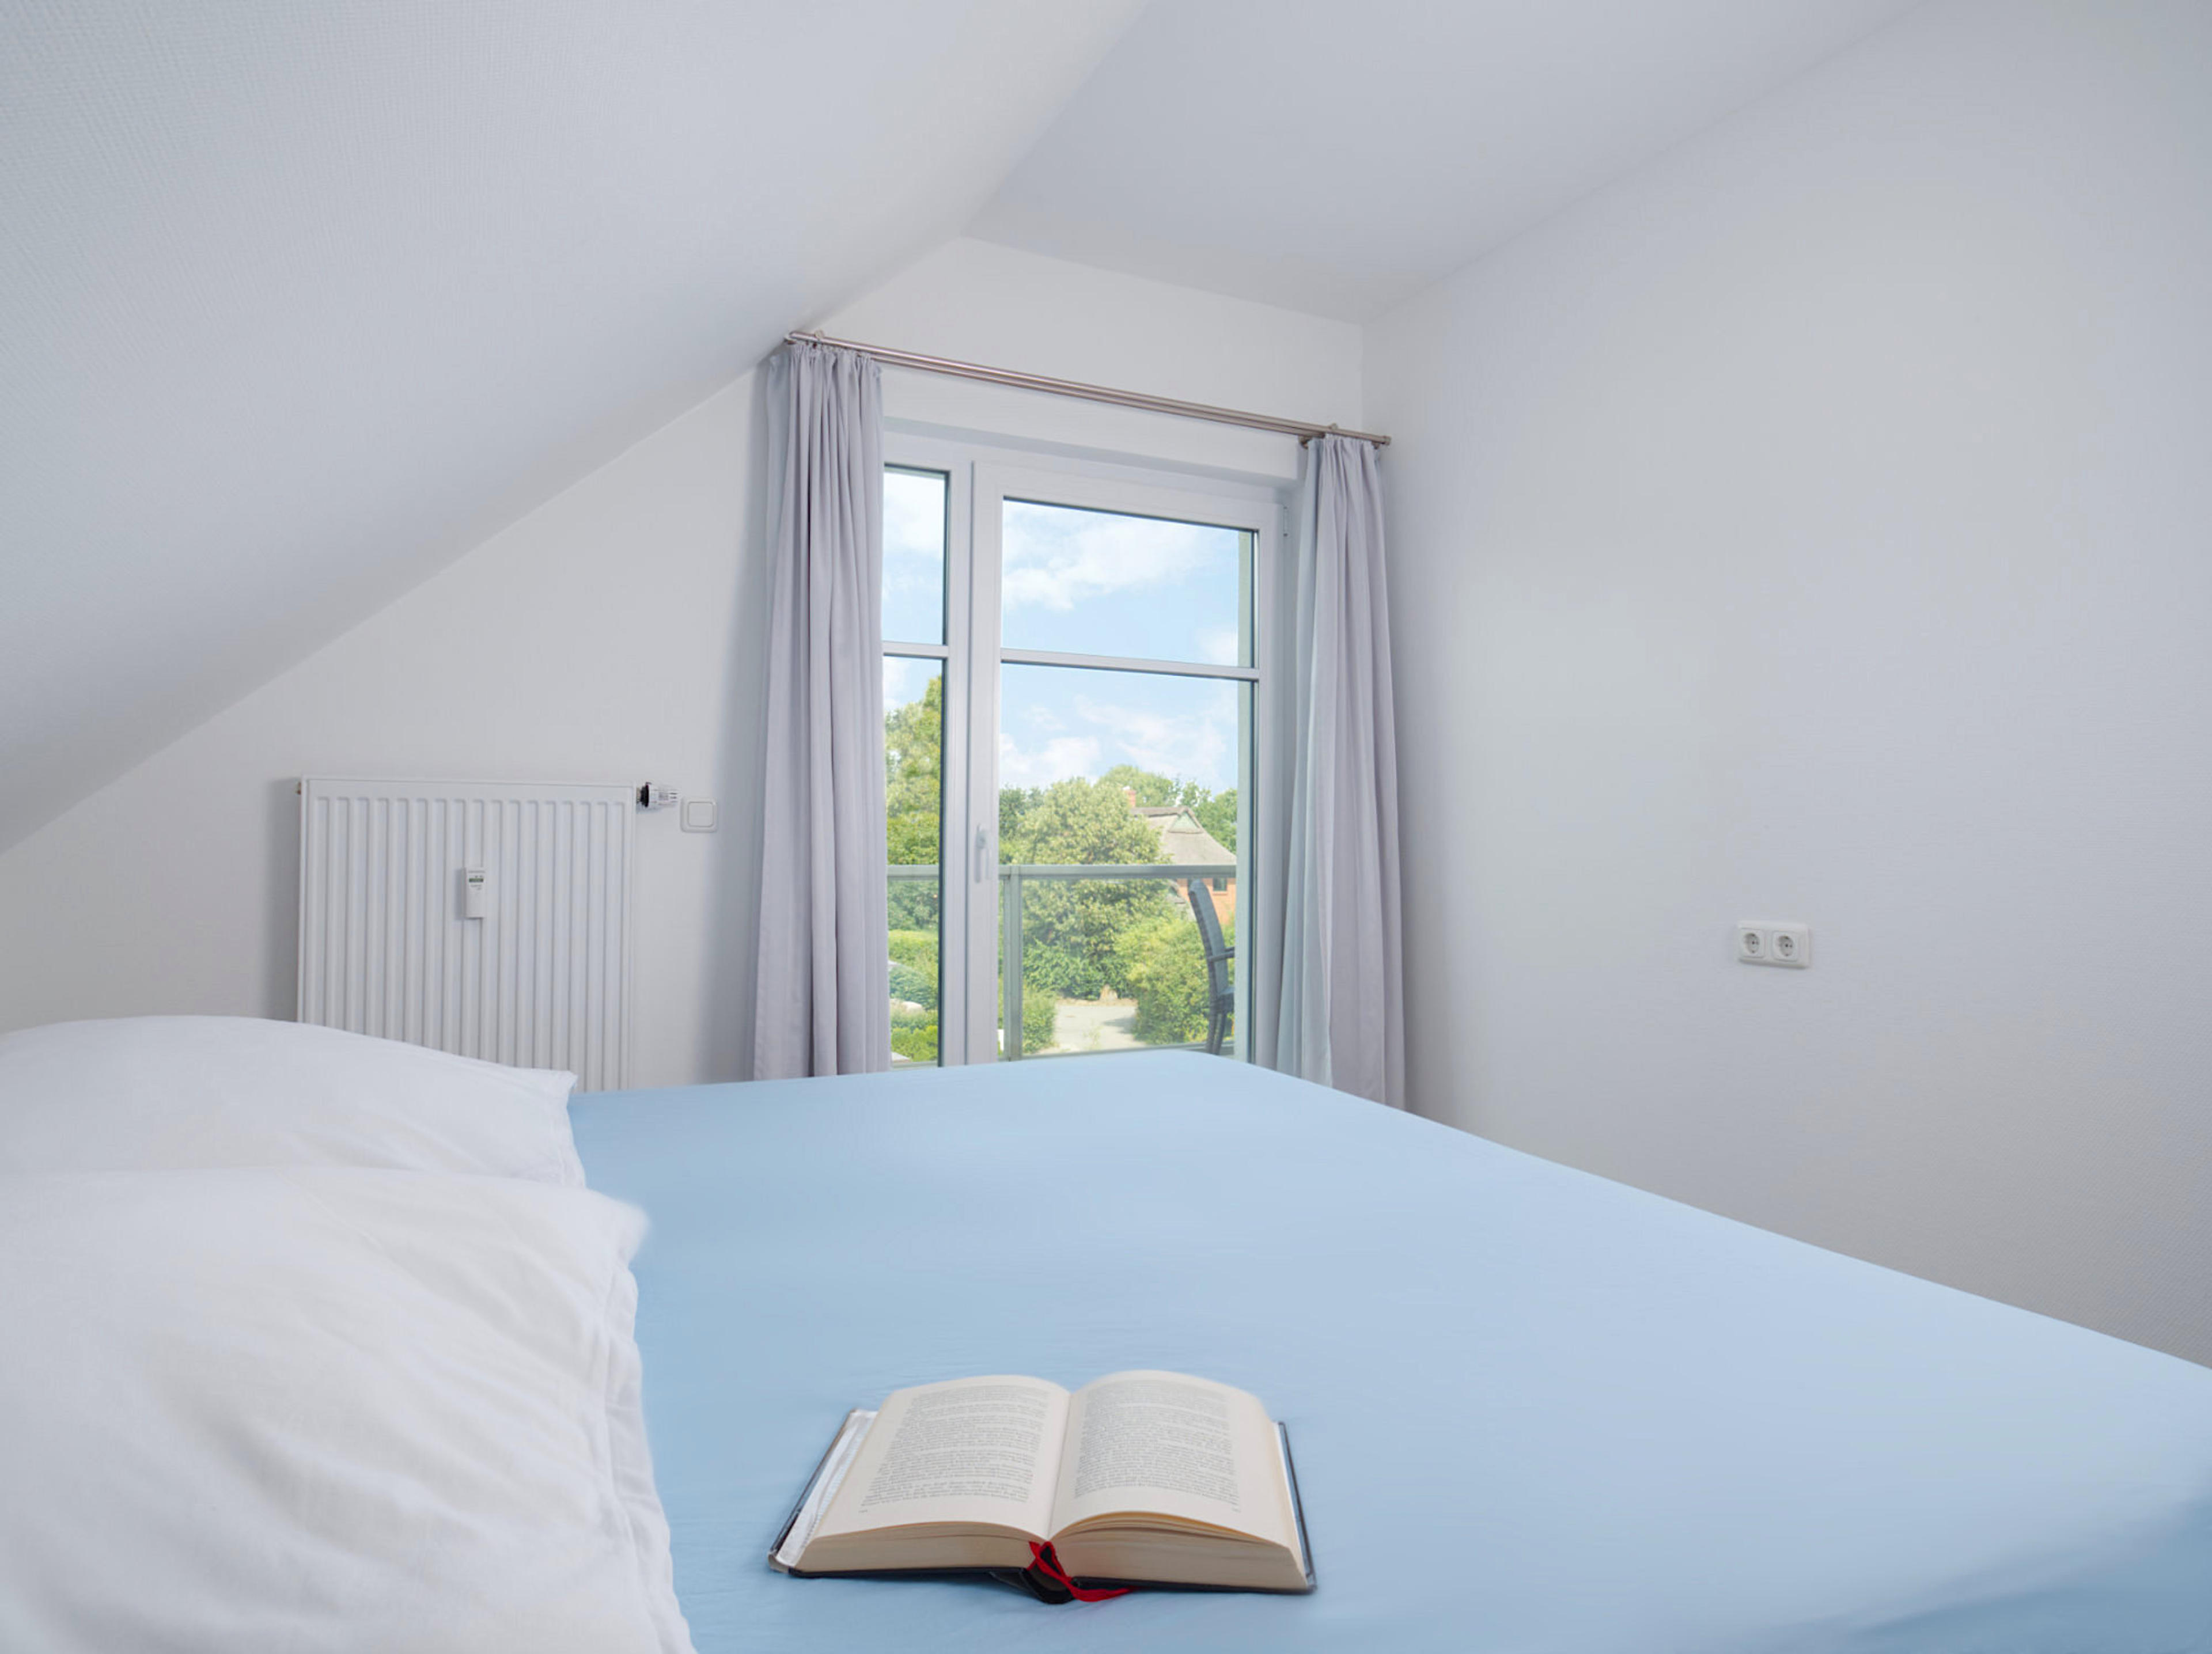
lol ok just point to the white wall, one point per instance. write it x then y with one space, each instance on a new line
1817 525
613 634
603 637
980 302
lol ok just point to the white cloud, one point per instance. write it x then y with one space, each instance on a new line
913 516
1058 759
914 548
1056 558
1062 723
1200 745
906 680
1219 645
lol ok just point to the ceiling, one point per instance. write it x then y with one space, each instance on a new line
1338 159
296 301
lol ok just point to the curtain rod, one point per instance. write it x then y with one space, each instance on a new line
1300 428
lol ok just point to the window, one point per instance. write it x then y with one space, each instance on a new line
914 529
1071 689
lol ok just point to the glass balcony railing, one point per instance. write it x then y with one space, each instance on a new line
1092 959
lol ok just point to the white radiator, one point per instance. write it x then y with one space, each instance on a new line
487 919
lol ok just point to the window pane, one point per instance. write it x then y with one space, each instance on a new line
1097 583
1170 740
1132 771
913 745
1115 965
914 556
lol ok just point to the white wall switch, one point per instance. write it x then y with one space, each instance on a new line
699 815
1771 942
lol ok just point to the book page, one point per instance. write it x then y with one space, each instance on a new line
971 1451
1179 1446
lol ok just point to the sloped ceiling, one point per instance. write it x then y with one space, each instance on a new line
296 301
1339 158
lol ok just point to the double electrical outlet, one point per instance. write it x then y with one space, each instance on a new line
1765 941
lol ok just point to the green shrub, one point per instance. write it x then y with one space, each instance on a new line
1040 1011
914 966
1164 961
1071 930
913 1035
910 985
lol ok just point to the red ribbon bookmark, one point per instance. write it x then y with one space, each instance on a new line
1048 1565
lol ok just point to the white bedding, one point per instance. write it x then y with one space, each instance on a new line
152 1092
323 1409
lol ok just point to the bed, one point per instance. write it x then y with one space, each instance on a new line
1532 1410
322 1342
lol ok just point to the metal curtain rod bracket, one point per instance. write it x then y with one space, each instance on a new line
1304 430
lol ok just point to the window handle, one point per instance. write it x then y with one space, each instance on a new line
982 849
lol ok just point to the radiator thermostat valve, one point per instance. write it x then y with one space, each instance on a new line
652 798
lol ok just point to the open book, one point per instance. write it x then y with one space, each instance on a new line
1151 1478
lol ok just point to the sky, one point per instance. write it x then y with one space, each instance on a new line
1090 583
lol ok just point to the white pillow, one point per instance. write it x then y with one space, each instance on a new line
319 1409
153 1092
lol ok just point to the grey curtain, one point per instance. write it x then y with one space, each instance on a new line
1328 991
823 989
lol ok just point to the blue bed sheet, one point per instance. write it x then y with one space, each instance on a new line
1533 1411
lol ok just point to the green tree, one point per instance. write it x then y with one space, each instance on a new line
1152 788
1071 927
1014 803
914 775
1077 822
914 787
1217 814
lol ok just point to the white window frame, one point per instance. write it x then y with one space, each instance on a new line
979 479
